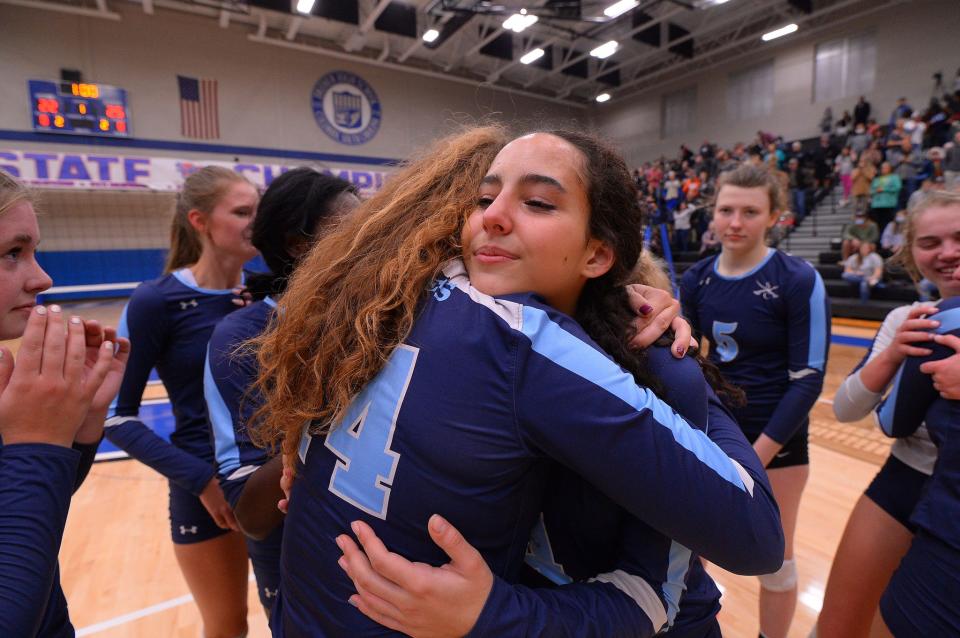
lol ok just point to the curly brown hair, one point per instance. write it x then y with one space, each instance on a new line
354 297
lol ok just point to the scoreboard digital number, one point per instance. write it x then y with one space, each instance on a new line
79 108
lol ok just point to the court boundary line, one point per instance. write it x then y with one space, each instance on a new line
123 619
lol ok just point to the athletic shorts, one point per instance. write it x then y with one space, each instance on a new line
794 452
265 556
896 490
923 596
190 522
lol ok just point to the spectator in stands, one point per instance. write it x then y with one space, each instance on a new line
860 230
938 125
844 126
691 186
860 139
798 188
874 129
909 170
822 159
826 122
864 269
885 191
896 135
796 152
916 127
843 167
781 176
901 110
775 152
861 178
914 199
861 112
710 242
874 153
682 225
672 191
951 163
892 239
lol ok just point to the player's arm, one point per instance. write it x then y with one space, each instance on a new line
144 323
904 409
250 483
36 482
808 340
576 406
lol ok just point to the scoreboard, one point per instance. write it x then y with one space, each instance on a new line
78 108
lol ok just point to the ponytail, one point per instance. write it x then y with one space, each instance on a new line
201 191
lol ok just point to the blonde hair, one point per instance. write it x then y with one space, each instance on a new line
354 297
201 191
926 201
12 192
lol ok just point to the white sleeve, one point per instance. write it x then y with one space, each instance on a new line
853 401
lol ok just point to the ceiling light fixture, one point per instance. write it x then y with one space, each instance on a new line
532 56
431 35
779 33
605 50
518 22
603 97
305 6
619 8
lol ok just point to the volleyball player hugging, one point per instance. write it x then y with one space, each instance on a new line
430 343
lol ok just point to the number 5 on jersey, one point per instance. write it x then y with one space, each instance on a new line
726 345
364 474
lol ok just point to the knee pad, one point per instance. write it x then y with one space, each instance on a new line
784 579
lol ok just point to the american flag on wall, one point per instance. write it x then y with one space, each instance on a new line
199 112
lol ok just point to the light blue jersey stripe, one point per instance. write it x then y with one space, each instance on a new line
816 358
887 411
221 423
570 353
185 277
949 320
674 586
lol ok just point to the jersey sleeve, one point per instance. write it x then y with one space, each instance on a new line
88 453
227 375
36 482
575 405
578 610
143 322
808 339
905 408
853 401
688 292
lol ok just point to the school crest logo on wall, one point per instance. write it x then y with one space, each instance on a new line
346 108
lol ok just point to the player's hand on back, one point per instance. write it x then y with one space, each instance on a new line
415 598
945 372
914 330
46 393
658 311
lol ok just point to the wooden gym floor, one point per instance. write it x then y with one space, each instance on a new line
121 578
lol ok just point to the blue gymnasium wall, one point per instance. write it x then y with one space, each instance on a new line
104 267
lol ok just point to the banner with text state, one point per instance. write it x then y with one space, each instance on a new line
107 171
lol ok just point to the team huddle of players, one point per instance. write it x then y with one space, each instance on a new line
461 392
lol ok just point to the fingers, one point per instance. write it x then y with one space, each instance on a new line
638 301
76 351
122 349
452 542
913 325
230 520
94 333
648 331
30 355
284 505
922 311
951 341
54 344
377 609
100 368
364 575
393 567
6 368
286 481
683 337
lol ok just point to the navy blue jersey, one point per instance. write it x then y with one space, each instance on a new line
464 419
769 332
584 535
36 482
228 374
912 401
169 321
